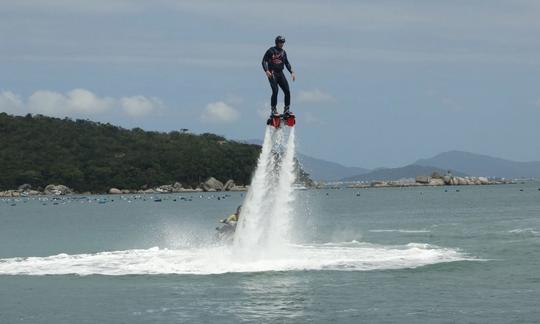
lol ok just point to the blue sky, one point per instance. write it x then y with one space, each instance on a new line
379 83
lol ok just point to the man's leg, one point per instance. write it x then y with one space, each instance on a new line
284 85
273 98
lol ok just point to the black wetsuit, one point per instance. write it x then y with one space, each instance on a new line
274 60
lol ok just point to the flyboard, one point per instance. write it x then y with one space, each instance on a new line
276 120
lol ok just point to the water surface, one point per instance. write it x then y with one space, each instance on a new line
377 255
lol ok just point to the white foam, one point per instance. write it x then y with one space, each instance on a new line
399 231
351 256
524 231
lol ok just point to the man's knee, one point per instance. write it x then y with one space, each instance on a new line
286 92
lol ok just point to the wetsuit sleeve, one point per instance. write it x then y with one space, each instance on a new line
286 61
265 60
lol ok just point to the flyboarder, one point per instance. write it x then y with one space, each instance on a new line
273 62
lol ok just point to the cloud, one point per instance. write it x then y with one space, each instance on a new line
76 102
138 106
219 112
314 96
10 102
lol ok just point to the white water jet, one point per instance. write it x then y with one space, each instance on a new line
265 218
282 213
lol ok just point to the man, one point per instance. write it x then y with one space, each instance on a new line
225 233
273 62
233 218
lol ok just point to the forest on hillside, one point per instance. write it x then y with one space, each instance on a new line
92 156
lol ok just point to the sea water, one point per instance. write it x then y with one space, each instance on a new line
408 255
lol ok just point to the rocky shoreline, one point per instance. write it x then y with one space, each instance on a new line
210 185
214 185
434 180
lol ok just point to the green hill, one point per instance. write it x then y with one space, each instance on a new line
91 156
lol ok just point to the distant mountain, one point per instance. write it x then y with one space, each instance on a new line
319 169
409 171
322 170
483 165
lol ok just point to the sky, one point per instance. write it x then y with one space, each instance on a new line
379 83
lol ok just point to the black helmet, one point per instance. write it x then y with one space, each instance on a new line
280 39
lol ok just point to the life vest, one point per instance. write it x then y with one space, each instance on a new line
232 218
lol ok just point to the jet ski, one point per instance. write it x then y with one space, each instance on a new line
225 232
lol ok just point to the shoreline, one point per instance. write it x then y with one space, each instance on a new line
425 181
16 193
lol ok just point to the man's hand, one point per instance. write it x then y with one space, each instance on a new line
269 74
293 76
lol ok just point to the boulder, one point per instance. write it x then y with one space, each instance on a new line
25 187
483 180
212 183
189 189
228 185
447 180
177 187
461 181
238 188
423 179
57 190
436 182
379 184
115 191
164 188
436 175
406 182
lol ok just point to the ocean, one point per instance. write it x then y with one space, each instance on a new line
467 254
